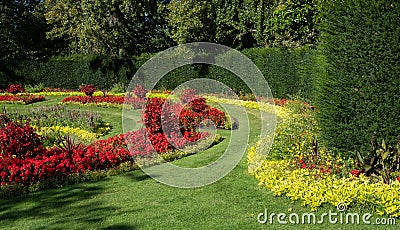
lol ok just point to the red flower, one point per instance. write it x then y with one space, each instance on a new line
88 89
355 172
140 91
188 95
398 178
303 166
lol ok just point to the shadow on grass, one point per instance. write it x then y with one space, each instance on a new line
138 176
74 206
118 226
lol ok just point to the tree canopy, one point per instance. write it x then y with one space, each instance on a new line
122 28
116 28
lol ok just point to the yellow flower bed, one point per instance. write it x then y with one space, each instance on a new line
82 134
301 184
266 107
74 93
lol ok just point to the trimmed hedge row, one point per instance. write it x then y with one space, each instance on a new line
288 72
72 71
359 95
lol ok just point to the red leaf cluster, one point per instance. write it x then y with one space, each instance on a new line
18 141
87 89
140 91
15 88
177 123
187 95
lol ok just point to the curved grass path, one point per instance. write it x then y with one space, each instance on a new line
135 201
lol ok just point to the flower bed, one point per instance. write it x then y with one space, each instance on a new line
31 163
53 123
105 101
20 99
82 134
297 168
47 116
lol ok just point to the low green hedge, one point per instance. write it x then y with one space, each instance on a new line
289 72
72 71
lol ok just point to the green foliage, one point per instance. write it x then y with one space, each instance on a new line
72 71
190 21
383 163
293 23
116 28
34 88
245 23
178 76
22 30
358 94
288 72
118 88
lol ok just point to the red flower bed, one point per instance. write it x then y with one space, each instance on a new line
23 160
23 99
176 120
18 141
58 163
118 100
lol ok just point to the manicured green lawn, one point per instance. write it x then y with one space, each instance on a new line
135 201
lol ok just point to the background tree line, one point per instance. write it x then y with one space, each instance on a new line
37 29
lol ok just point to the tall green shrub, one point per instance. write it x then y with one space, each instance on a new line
287 71
359 93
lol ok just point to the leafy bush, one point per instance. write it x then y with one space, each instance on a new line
87 89
34 88
140 91
358 94
15 88
293 23
18 141
118 88
382 164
